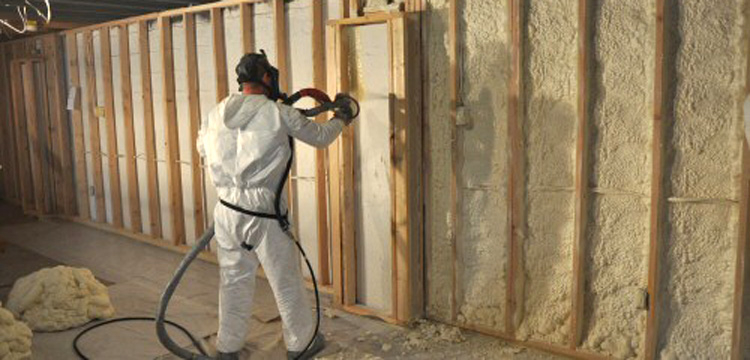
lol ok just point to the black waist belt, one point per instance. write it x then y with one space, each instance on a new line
282 219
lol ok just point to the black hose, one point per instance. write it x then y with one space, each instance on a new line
187 333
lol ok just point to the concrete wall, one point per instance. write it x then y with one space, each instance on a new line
705 89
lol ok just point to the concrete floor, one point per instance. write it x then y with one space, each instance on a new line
136 272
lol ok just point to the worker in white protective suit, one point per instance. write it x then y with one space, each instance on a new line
246 147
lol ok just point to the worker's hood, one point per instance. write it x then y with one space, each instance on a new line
240 109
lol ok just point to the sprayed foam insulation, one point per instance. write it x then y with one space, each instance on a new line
370 76
550 131
699 257
482 244
15 337
59 298
616 255
438 255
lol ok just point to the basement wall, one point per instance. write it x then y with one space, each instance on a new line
706 60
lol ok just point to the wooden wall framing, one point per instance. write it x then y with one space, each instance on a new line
407 298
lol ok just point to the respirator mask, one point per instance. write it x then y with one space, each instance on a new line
253 67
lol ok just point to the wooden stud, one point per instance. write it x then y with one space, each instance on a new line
148 123
35 142
334 171
22 143
96 151
174 173
344 9
658 203
83 209
193 91
582 179
46 140
319 80
516 162
65 176
741 266
10 174
348 226
456 147
405 211
220 54
52 154
248 27
395 105
4 129
131 166
111 128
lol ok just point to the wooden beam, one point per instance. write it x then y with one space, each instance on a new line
22 142
741 266
193 91
516 164
248 27
148 122
456 147
34 128
376 18
115 191
582 178
344 9
658 197
54 150
334 171
131 166
56 72
319 81
168 13
10 174
83 209
348 226
174 173
96 151
46 141
220 54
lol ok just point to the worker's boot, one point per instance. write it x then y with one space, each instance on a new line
228 356
318 344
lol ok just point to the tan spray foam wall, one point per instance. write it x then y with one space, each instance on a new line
550 131
699 255
617 242
438 255
483 245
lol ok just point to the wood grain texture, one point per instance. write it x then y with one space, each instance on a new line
174 173
115 191
150 137
247 21
456 146
22 143
581 177
76 116
34 128
57 107
658 198
131 166
220 54
94 135
319 81
193 91
334 173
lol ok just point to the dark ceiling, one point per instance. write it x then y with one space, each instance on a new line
70 13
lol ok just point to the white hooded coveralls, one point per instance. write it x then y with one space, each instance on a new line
245 146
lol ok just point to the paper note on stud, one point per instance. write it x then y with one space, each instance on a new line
72 98
747 118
